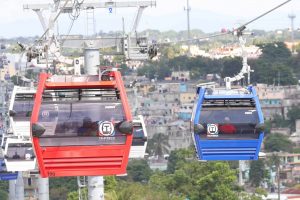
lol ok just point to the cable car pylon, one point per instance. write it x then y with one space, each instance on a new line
95 184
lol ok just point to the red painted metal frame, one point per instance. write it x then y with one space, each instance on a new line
82 160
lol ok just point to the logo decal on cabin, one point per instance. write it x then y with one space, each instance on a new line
212 130
106 128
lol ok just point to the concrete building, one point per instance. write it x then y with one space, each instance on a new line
185 111
179 135
166 107
187 97
277 100
181 75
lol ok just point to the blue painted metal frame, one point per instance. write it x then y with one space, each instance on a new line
7 176
226 149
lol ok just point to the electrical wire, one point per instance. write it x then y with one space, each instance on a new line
260 16
73 17
76 6
238 30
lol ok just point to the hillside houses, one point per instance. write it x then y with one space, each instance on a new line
167 106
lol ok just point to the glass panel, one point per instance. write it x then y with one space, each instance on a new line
138 136
138 132
20 151
82 141
81 95
65 120
229 120
4 139
3 173
23 109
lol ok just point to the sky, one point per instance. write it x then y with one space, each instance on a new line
207 15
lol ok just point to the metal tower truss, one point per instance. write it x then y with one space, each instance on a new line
90 22
133 47
91 4
81 183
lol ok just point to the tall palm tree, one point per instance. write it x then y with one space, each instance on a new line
159 144
274 160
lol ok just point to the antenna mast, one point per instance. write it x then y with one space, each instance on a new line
292 17
188 9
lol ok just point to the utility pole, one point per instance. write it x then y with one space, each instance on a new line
292 17
279 78
278 181
188 9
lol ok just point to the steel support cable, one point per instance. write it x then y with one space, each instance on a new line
74 17
260 16
239 29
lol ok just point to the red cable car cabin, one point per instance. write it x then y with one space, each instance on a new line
81 126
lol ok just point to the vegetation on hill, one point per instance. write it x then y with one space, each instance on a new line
186 178
275 66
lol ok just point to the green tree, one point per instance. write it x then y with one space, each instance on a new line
173 51
272 72
75 195
134 191
110 183
4 190
194 180
138 171
273 160
3 195
276 51
178 157
293 114
160 144
274 66
218 182
274 163
110 195
256 195
278 142
257 172
60 187
294 62
231 67
279 121
59 193
148 70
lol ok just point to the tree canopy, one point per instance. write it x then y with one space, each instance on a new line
276 65
257 173
277 142
158 145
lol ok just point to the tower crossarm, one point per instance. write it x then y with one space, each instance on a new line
93 4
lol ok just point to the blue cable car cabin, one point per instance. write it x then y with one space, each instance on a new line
227 125
5 175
